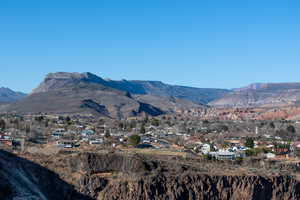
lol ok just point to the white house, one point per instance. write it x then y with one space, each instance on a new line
85 133
205 149
96 141
270 155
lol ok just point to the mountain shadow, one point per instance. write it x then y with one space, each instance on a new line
23 179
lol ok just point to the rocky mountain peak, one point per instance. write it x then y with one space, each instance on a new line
63 75
60 80
87 76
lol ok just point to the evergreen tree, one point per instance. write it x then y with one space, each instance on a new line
142 130
249 143
2 124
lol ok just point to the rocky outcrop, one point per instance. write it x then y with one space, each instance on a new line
205 187
92 163
138 177
62 80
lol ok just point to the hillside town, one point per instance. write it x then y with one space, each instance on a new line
212 140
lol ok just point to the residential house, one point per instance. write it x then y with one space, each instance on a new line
223 155
87 132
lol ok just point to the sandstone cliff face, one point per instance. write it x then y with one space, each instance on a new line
135 177
204 187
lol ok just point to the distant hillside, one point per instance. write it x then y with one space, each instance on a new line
8 96
72 93
168 104
261 94
88 93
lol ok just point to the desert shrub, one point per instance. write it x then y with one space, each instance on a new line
291 129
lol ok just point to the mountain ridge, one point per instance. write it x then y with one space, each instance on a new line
86 93
89 93
8 96
139 87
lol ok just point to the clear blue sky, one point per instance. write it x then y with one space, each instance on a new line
201 43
